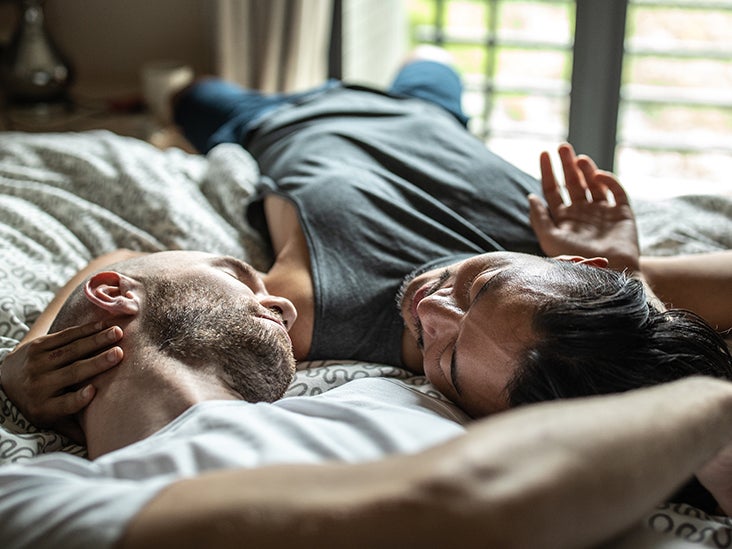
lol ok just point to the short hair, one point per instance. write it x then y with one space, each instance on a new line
607 337
207 329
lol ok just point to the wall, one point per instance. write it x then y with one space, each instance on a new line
108 41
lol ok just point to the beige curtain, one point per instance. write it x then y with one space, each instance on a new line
273 45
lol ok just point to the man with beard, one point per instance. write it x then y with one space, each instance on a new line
204 356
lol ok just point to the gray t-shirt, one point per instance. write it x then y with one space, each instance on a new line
383 186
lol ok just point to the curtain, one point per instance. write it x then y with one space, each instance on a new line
273 45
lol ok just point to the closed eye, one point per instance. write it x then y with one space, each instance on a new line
453 372
230 273
235 269
500 276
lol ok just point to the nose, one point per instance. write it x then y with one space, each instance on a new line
282 305
438 314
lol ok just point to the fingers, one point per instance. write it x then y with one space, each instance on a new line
601 182
549 185
63 337
616 189
48 377
589 170
574 180
540 218
580 175
72 402
63 348
56 413
83 370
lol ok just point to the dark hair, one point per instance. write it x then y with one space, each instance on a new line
607 338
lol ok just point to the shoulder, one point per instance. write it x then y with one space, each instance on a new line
59 500
383 395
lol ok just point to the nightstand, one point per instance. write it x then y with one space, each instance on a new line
121 117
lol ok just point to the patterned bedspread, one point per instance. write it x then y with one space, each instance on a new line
67 198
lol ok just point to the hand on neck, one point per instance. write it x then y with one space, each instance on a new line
143 394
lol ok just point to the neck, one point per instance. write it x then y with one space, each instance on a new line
141 396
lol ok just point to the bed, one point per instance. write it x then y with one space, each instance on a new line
66 198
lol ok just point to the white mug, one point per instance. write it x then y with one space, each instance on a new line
160 80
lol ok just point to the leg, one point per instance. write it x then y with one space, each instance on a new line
212 111
428 75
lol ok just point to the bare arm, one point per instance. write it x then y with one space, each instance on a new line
509 482
699 282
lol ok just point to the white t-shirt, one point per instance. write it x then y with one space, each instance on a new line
59 500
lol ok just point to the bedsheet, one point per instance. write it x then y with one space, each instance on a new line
66 198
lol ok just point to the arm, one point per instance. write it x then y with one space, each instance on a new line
511 481
699 282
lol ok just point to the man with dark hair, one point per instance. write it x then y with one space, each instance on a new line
632 344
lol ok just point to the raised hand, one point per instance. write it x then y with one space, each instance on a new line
47 378
597 219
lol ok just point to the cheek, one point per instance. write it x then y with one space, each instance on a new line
484 402
486 366
438 377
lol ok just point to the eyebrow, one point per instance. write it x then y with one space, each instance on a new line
498 277
242 269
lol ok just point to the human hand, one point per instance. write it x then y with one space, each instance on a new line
47 378
590 224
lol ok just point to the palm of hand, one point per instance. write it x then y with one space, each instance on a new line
594 219
594 229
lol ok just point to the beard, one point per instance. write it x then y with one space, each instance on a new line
207 327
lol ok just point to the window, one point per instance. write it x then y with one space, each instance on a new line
516 60
675 118
643 87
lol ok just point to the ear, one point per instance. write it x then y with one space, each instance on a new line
600 262
115 293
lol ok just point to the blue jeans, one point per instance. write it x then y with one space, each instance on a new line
213 111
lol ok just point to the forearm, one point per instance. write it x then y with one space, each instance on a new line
515 480
700 282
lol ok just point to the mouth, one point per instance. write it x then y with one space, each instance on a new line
279 323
